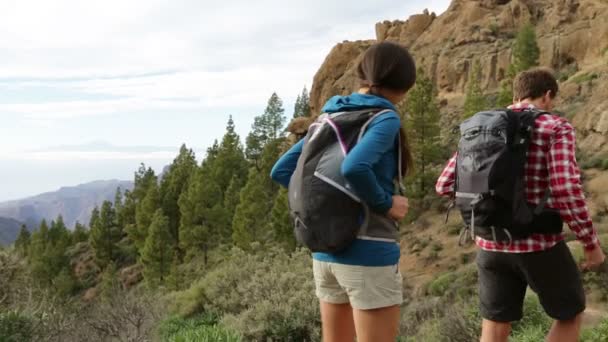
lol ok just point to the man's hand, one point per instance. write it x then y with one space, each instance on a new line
400 208
593 259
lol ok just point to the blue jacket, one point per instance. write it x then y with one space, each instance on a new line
370 168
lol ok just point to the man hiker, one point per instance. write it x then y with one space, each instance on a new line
523 246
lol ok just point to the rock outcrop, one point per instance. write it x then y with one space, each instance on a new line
572 35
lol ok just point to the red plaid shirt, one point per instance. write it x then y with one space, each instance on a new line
551 163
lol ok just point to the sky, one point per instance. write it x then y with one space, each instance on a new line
90 89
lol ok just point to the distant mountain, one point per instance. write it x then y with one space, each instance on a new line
9 229
73 203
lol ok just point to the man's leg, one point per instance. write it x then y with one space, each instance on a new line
554 276
566 331
501 294
495 331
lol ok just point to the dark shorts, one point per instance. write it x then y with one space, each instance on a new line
552 274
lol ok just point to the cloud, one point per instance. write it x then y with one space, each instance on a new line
70 61
97 151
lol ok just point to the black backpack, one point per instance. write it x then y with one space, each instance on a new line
328 215
490 189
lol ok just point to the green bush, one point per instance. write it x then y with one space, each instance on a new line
493 27
534 317
442 284
202 328
264 295
460 323
597 334
530 334
586 77
459 284
16 327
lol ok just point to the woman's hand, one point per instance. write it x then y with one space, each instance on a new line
399 209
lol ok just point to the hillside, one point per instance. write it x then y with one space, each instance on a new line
573 38
572 35
73 203
9 229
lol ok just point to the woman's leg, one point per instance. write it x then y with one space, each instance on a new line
337 322
377 325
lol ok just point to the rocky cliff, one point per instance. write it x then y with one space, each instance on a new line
572 35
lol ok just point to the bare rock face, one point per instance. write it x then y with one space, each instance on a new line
338 74
572 35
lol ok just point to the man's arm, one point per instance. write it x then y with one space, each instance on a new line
566 187
445 183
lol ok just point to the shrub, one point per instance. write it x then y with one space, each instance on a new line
459 284
264 295
534 318
437 246
416 313
599 333
494 28
460 323
442 284
586 77
530 334
202 328
16 327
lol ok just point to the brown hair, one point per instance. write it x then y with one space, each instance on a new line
534 83
390 66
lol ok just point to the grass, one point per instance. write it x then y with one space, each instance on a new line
203 328
584 78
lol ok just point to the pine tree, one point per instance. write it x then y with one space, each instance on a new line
143 216
198 229
127 212
57 245
252 216
281 222
38 254
80 233
58 233
157 254
105 234
173 184
144 178
274 117
474 101
22 244
526 54
423 132
94 218
266 128
230 160
118 207
302 105
505 96
232 198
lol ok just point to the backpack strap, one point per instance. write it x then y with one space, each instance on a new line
543 202
527 126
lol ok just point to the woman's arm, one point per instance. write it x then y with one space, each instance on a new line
283 169
358 165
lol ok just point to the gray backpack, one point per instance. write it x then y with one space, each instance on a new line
328 214
490 189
